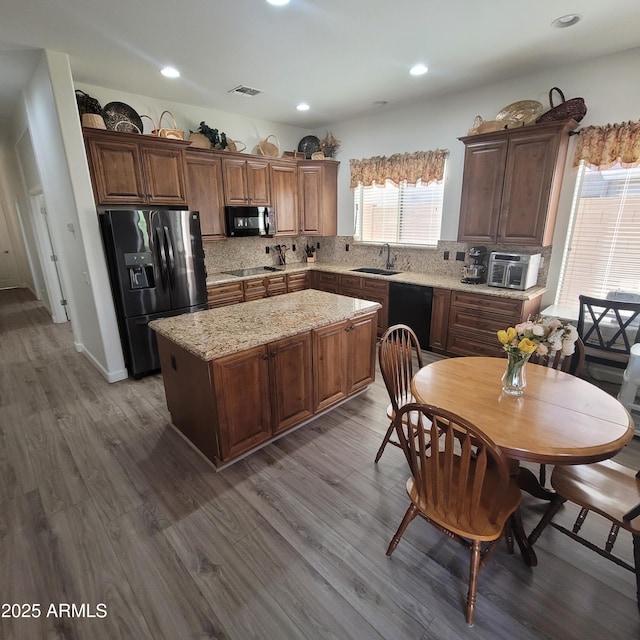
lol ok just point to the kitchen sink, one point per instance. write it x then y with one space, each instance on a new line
378 272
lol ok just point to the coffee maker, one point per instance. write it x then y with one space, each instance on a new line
476 272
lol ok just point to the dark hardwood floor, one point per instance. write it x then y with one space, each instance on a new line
103 503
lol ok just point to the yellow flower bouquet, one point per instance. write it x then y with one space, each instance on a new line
541 335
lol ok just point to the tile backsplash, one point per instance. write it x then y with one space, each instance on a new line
241 253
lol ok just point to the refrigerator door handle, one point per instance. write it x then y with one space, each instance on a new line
171 263
163 258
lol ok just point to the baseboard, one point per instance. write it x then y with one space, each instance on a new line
109 376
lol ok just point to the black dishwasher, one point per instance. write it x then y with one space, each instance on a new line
410 304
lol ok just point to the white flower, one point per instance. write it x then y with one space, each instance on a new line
538 330
542 349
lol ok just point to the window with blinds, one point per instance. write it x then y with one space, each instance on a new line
408 214
602 253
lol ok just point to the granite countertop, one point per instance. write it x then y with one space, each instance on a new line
226 330
410 277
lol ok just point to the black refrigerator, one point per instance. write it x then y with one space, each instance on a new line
156 268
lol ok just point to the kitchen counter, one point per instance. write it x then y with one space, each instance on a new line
426 279
219 332
238 377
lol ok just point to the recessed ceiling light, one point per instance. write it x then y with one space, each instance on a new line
418 70
170 72
278 3
566 21
303 106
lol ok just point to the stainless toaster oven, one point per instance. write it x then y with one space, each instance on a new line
513 270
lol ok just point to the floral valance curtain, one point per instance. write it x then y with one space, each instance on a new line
603 147
423 166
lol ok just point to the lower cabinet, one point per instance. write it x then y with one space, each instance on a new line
298 281
344 359
465 323
354 286
221 295
232 404
278 376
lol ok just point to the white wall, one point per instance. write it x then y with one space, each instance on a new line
249 131
607 84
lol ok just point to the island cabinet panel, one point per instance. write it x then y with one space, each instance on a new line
242 392
330 365
361 352
290 362
204 173
187 384
344 359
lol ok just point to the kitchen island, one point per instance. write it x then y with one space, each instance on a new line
239 377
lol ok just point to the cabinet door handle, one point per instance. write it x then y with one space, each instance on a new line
265 356
274 354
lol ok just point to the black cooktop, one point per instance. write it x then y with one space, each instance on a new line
253 271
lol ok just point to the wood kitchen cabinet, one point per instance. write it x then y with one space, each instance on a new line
511 184
224 294
474 319
204 172
279 375
367 289
246 182
344 359
325 281
318 193
284 197
298 281
128 169
439 320
268 286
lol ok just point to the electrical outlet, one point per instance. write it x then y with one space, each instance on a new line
446 255
293 247
266 249
460 256
346 247
317 245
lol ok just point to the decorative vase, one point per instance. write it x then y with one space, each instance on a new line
514 379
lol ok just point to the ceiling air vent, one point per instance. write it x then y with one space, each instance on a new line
245 92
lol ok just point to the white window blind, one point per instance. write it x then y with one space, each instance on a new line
409 214
602 253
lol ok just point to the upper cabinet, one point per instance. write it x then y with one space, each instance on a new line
246 182
318 192
133 169
204 172
284 197
511 184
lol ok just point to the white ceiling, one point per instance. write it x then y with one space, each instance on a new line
340 56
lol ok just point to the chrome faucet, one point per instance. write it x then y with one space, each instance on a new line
390 262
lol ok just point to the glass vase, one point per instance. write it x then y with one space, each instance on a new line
514 379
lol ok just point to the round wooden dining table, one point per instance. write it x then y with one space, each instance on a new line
560 419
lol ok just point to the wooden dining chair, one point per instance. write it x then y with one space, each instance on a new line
459 482
569 364
608 488
608 328
399 356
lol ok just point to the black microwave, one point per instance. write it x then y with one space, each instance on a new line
249 221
